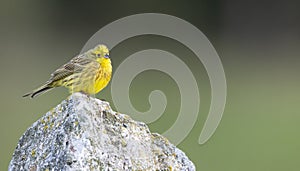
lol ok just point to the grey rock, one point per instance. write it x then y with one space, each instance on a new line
84 133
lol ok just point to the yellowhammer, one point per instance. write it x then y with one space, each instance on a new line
89 73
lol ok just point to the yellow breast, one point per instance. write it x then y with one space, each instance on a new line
92 79
103 76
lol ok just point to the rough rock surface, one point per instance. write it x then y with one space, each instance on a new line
83 133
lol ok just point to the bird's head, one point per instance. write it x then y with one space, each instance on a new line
101 52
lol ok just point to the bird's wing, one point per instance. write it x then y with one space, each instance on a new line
76 65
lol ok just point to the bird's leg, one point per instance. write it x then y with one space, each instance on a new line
85 93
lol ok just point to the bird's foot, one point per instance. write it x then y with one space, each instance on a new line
82 92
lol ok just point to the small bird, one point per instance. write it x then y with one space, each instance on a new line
88 73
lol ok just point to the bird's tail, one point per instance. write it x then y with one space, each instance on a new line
38 91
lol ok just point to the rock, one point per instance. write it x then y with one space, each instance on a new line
84 133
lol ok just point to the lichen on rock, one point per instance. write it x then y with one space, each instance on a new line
84 133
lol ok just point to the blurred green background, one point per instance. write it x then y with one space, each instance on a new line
258 43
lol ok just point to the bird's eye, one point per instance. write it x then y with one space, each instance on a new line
98 54
106 56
